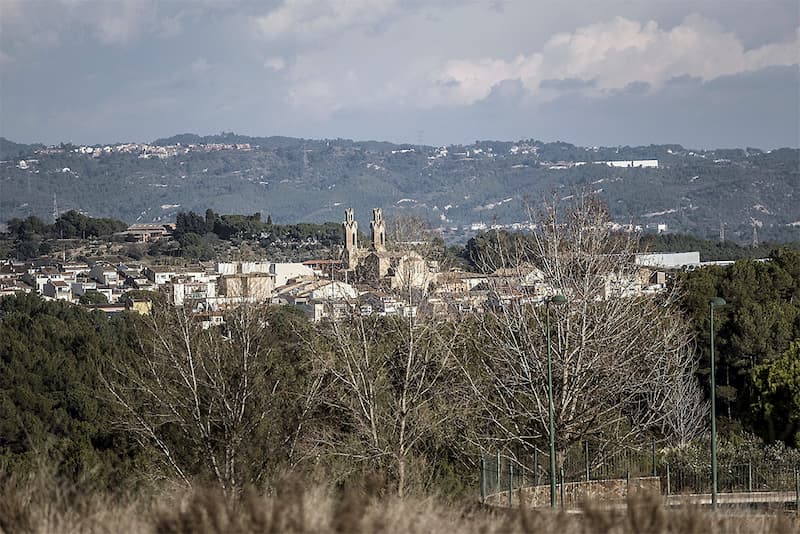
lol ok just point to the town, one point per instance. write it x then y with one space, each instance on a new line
379 278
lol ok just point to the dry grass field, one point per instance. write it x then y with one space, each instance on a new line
36 508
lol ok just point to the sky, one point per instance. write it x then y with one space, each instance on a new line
701 73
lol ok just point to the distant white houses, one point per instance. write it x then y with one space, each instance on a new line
144 232
643 163
159 274
624 164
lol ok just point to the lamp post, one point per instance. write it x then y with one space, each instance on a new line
555 299
714 303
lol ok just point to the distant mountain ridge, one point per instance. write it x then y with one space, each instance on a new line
459 188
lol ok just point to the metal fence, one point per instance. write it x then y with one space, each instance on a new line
503 473
753 476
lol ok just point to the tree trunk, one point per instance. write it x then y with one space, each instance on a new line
401 476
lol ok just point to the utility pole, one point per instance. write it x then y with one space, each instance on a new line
55 209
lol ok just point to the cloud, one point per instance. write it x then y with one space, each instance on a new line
314 20
600 59
48 24
567 84
275 63
200 66
613 54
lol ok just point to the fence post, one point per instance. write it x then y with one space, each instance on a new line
586 458
628 480
510 481
535 465
497 485
796 491
655 472
562 488
750 475
628 465
668 481
483 479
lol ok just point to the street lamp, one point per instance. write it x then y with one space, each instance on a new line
555 299
714 303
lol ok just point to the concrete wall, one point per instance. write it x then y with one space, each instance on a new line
669 260
578 492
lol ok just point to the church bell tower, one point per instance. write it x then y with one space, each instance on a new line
378 230
350 227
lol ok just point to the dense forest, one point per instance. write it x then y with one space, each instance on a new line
756 332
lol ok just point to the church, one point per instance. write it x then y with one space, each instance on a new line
378 266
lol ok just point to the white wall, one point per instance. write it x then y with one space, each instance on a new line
285 271
669 260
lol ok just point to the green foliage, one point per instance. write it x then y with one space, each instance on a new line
49 408
28 227
92 297
198 237
31 233
73 224
158 299
68 225
775 411
761 318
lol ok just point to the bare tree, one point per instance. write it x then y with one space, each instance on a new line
393 381
685 411
409 231
214 402
414 233
618 354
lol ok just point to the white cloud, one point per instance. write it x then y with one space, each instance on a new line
613 54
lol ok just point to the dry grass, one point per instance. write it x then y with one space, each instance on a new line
34 508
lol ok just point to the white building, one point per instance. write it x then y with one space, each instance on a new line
669 260
104 273
57 289
159 275
242 267
287 271
642 163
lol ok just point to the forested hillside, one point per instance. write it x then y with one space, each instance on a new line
456 188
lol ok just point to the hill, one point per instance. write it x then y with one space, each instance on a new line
10 149
460 188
